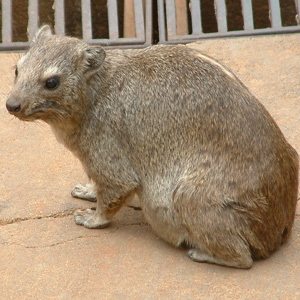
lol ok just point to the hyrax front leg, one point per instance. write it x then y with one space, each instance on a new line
91 218
87 192
107 205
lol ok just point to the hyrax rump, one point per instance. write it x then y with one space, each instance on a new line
210 166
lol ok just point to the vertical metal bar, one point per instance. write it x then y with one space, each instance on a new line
6 21
275 16
60 16
171 17
139 19
129 19
148 22
196 16
33 18
86 18
297 3
113 24
161 21
181 17
221 14
248 14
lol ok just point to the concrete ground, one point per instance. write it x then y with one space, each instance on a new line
44 255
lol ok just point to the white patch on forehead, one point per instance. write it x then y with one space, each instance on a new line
50 72
215 63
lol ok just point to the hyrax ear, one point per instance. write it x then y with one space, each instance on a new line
93 59
44 31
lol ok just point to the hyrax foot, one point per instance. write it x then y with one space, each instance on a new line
199 256
84 192
90 219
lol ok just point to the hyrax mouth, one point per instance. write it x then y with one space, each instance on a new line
29 112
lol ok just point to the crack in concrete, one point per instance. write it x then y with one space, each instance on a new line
65 213
50 245
114 230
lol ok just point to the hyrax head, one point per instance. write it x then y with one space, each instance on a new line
51 78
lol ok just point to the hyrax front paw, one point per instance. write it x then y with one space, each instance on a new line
90 219
84 192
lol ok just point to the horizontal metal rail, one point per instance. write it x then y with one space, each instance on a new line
261 31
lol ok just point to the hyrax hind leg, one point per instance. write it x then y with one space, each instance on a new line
231 258
216 236
216 233
227 248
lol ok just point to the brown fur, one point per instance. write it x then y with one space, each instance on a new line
209 164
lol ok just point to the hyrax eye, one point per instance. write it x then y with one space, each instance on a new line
52 83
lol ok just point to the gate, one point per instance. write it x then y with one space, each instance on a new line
139 23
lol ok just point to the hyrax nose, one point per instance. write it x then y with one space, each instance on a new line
12 106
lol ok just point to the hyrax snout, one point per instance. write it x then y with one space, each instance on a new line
209 164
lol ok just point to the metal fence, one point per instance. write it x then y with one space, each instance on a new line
141 23
181 21
136 22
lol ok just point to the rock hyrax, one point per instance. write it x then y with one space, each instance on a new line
210 166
